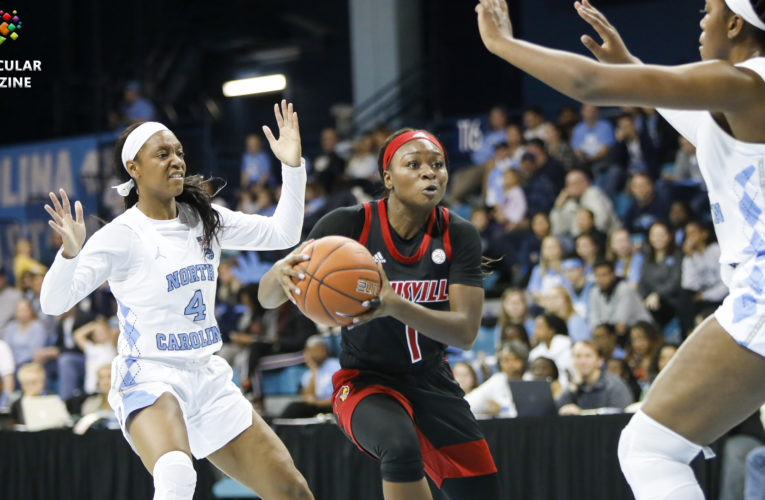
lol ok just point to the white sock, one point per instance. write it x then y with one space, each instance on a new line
655 460
174 477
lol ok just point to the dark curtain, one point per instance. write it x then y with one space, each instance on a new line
565 458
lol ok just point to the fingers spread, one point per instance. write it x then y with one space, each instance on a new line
78 212
65 201
269 135
56 204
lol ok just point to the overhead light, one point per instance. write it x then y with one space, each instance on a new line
256 85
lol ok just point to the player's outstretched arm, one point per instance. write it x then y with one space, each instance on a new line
71 229
277 286
690 86
286 148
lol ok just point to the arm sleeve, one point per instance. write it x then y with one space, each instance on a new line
685 122
669 287
108 254
465 266
282 230
564 399
620 396
345 221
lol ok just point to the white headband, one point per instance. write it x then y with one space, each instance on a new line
744 9
133 143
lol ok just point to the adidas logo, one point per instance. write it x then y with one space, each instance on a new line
378 258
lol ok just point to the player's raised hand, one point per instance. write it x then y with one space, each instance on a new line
72 230
493 22
612 50
287 147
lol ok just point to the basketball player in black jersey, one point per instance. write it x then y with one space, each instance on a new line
395 396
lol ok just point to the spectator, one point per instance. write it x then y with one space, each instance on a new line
25 334
515 332
592 387
633 153
70 360
628 262
496 133
539 186
621 369
544 368
7 369
465 376
98 400
614 301
9 298
362 165
135 107
646 206
679 216
592 140
568 118
32 381
494 169
585 224
644 342
547 273
660 278
535 124
546 164
552 341
514 311
700 276
256 163
494 398
49 253
578 285
530 244
579 193
328 167
604 336
97 340
737 444
663 136
316 385
558 147
510 212
23 263
589 251
663 354
686 165
558 302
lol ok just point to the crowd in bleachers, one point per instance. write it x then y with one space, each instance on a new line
600 260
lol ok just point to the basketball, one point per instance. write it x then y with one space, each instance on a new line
339 275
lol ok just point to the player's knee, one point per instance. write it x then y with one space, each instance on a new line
174 477
654 460
401 460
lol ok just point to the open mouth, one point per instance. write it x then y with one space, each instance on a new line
176 175
432 189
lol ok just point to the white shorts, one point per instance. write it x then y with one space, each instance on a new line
742 313
214 409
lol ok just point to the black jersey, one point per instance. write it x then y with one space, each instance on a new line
446 251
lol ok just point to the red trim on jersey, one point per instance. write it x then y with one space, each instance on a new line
455 460
452 461
367 223
389 241
447 241
343 407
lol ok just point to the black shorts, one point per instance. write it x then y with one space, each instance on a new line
451 443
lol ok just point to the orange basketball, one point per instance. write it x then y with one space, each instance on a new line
339 275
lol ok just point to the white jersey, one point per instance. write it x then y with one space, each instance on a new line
164 277
734 172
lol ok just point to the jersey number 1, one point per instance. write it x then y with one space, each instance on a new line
413 342
196 307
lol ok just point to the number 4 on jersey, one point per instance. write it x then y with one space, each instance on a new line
413 342
196 306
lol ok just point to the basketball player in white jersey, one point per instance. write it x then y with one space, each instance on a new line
172 395
715 380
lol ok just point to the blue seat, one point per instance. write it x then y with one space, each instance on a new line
230 488
283 380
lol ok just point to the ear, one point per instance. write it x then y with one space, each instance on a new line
735 25
387 180
132 168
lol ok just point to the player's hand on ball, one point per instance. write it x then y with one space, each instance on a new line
493 22
287 147
380 306
71 229
287 274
